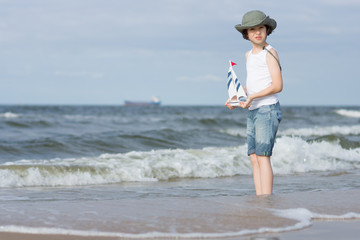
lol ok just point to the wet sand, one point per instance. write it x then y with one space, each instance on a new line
20 236
318 215
333 230
329 230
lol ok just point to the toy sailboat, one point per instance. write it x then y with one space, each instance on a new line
235 90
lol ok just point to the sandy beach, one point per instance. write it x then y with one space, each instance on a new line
329 230
21 236
311 215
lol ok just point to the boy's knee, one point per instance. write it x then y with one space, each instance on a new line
254 160
263 161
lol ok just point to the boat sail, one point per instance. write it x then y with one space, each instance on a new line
235 90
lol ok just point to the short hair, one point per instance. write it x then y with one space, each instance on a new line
245 34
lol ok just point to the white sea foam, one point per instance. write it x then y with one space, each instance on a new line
291 155
9 115
348 113
295 155
305 132
322 131
303 217
132 166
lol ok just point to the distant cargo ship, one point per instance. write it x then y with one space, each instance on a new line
153 102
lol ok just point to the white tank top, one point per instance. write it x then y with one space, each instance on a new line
259 78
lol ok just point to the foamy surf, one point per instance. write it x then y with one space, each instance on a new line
295 155
348 113
291 155
9 115
305 132
154 165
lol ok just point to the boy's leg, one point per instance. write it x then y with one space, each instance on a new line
256 173
266 174
266 125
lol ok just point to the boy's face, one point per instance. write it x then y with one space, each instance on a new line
257 34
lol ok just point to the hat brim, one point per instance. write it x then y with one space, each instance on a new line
267 21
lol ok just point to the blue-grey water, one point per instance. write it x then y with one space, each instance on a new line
76 154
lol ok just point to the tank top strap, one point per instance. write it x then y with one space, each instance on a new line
269 47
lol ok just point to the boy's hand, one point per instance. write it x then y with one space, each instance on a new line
228 105
247 103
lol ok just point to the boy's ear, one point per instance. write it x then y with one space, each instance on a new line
267 30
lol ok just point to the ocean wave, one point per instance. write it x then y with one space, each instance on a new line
237 132
9 115
30 124
291 155
348 113
133 166
304 218
295 155
304 132
322 131
69 143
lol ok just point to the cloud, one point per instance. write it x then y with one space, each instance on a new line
189 40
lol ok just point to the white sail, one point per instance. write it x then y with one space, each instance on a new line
231 84
235 90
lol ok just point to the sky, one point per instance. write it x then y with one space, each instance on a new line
107 51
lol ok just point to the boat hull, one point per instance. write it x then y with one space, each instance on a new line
141 104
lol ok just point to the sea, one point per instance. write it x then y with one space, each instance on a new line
172 171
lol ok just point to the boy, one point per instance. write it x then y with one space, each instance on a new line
263 82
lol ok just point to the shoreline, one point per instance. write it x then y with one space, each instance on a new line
300 215
329 230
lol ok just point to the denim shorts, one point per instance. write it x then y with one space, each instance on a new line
262 126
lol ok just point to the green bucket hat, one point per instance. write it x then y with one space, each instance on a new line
255 18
